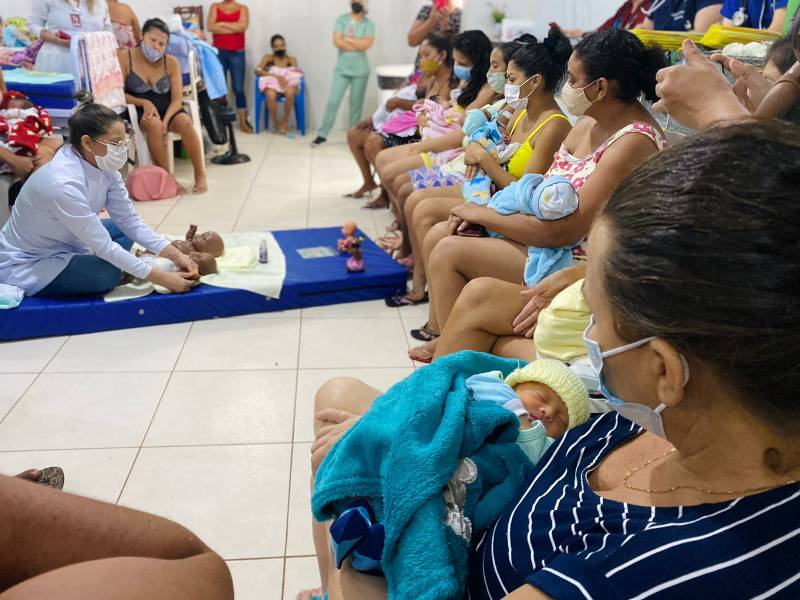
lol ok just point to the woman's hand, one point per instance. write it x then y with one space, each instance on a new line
177 283
470 212
475 154
455 224
541 295
422 121
149 109
336 424
750 87
180 260
22 166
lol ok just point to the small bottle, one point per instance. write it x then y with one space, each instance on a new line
263 255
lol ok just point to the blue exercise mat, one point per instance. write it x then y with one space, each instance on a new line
309 282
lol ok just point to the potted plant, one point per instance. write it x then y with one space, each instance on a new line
498 13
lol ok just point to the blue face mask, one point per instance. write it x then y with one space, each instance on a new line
150 54
644 416
463 73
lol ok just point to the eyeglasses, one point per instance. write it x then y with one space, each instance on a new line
123 143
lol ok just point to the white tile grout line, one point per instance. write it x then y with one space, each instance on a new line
34 380
291 455
155 412
253 182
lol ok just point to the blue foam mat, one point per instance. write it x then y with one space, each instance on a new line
309 282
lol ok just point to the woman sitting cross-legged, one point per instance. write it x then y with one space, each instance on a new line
690 487
607 73
154 85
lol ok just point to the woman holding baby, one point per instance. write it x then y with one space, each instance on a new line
56 245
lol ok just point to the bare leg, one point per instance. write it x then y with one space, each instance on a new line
456 260
151 128
429 211
272 106
356 139
288 106
182 125
483 312
390 155
395 169
372 148
353 396
55 544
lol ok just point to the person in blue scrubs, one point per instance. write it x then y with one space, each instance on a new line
758 14
683 15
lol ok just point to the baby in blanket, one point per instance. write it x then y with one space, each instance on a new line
22 126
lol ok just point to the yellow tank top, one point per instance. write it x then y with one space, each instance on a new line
518 162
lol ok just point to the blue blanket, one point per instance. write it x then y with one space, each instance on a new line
404 451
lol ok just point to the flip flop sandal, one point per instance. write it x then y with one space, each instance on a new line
407 262
403 300
358 195
391 244
424 334
420 355
379 202
395 226
52 477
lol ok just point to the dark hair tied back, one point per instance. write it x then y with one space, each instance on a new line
89 118
548 58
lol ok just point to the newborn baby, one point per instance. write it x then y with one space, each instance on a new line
546 395
22 126
208 241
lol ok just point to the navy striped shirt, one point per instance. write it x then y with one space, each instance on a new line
569 542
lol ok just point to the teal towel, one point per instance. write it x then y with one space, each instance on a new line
404 451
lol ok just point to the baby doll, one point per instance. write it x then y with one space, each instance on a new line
209 241
351 244
22 126
546 395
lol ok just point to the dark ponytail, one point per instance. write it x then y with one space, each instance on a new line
89 119
442 44
548 58
478 48
618 55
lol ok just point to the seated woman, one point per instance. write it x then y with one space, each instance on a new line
279 76
649 501
538 127
436 63
154 85
56 245
630 15
607 73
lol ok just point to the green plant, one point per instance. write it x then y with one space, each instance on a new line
498 12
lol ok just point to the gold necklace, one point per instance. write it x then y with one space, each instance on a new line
630 473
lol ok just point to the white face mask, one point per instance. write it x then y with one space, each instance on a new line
575 100
115 158
512 92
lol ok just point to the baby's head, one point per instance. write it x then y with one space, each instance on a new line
15 100
780 57
349 229
552 394
206 263
208 241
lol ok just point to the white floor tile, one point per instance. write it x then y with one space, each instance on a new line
233 497
301 574
12 386
310 380
87 410
371 309
98 474
241 344
257 579
221 407
141 349
332 343
28 356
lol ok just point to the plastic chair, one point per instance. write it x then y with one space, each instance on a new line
299 106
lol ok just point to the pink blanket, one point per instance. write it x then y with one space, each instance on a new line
292 75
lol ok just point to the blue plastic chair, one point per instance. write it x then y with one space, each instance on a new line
299 107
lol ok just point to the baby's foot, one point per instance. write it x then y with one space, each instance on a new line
200 185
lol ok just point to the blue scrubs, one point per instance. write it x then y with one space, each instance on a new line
677 15
759 12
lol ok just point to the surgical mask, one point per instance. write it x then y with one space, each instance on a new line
644 416
115 158
575 99
512 92
429 66
496 81
150 54
356 7
462 73
280 53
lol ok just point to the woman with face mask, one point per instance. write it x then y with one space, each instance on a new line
56 245
281 78
154 85
606 75
353 35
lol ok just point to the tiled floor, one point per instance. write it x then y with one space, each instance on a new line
209 423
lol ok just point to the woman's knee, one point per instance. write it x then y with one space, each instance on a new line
341 393
272 94
445 252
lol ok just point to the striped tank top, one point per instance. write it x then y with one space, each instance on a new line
570 543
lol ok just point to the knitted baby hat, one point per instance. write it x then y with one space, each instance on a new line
558 377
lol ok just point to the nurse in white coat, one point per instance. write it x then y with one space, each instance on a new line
56 245
51 19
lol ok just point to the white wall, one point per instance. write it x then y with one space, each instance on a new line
308 24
